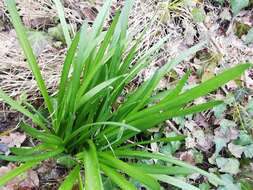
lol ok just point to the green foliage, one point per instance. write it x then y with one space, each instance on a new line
228 165
198 15
56 33
86 130
64 24
241 29
238 5
249 36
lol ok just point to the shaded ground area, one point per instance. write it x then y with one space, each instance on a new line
217 140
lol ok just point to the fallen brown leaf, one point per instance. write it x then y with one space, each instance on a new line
13 139
26 181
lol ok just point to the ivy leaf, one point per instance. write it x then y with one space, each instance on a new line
244 139
236 150
249 107
228 165
219 110
248 151
225 123
221 2
220 143
198 15
249 36
228 179
171 147
238 5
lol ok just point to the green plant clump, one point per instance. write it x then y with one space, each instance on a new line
84 127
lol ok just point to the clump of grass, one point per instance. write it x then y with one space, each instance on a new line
85 129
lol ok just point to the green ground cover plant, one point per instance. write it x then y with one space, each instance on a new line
85 129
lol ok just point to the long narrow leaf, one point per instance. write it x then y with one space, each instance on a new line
44 137
210 85
150 85
16 172
149 120
175 182
141 154
131 171
117 178
34 158
87 126
200 90
16 106
103 14
155 118
94 91
121 28
24 151
159 169
177 90
70 180
97 63
22 36
92 169
166 139
66 67
64 24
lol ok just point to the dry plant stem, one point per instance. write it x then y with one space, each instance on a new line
172 126
140 146
213 41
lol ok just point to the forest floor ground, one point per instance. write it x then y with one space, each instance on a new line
220 139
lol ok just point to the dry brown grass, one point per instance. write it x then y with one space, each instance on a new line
15 76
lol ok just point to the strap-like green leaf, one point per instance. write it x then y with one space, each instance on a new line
176 182
200 90
146 121
24 151
94 91
148 87
15 172
83 54
141 154
153 119
44 137
160 169
16 106
131 171
64 25
92 70
165 139
70 180
21 33
103 14
92 169
34 158
121 28
177 90
209 85
64 77
87 126
117 178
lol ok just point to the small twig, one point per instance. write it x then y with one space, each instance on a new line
140 146
172 126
